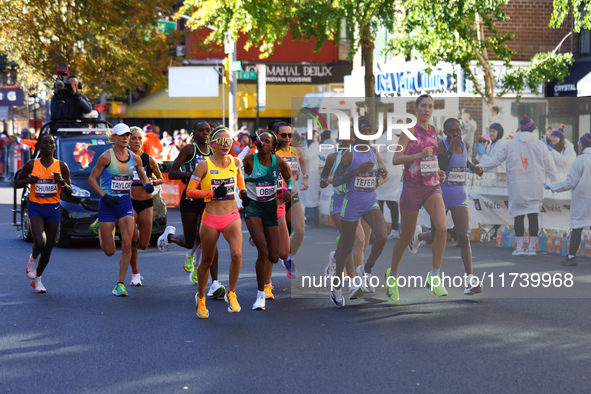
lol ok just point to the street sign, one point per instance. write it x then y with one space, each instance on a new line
236 65
247 75
166 27
101 108
11 95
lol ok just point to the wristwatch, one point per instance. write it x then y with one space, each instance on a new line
306 177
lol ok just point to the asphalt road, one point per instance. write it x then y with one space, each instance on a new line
79 337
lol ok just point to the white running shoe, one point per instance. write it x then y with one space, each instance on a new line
360 271
163 243
519 252
355 292
38 286
473 287
32 266
393 234
259 304
331 268
336 297
136 279
530 252
413 247
216 289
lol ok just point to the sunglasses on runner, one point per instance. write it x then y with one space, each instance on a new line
223 141
285 135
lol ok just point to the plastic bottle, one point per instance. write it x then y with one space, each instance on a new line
499 237
563 245
510 239
557 243
541 242
550 243
588 245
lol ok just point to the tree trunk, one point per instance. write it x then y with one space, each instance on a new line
367 48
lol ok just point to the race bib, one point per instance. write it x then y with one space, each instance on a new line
293 165
365 182
266 191
429 166
45 188
120 184
456 176
229 185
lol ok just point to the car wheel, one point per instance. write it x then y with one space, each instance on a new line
25 229
62 240
154 239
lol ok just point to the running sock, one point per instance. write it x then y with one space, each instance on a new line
120 282
135 272
260 293
192 251
394 274
434 272
197 255
519 242
570 256
290 257
268 284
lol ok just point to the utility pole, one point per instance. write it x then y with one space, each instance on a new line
230 49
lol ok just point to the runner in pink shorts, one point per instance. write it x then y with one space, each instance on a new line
420 189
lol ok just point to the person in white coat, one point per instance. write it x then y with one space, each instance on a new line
495 132
528 164
578 179
389 191
562 151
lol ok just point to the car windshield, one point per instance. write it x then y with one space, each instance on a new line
81 155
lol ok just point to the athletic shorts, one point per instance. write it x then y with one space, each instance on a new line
413 196
140 205
220 222
191 205
106 213
266 210
336 203
280 210
454 196
352 210
50 213
295 198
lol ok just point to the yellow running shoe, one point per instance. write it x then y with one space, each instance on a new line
231 299
391 287
435 284
269 292
189 261
200 309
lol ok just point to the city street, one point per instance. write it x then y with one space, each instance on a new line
78 337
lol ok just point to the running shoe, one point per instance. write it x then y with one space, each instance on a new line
269 292
391 287
232 300
189 263
336 296
291 268
355 292
216 289
530 252
519 252
440 290
119 290
32 266
360 271
136 279
568 262
37 285
259 304
200 308
193 276
473 286
331 268
163 243
94 228
413 247
393 234
250 241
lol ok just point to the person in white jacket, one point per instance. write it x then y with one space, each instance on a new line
578 179
389 191
562 151
495 132
528 164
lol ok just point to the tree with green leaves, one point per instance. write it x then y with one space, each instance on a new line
110 45
465 31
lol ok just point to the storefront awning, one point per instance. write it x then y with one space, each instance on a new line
159 105
578 71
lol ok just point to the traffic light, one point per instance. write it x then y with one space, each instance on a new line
226 63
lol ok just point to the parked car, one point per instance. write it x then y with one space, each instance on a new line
80 150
